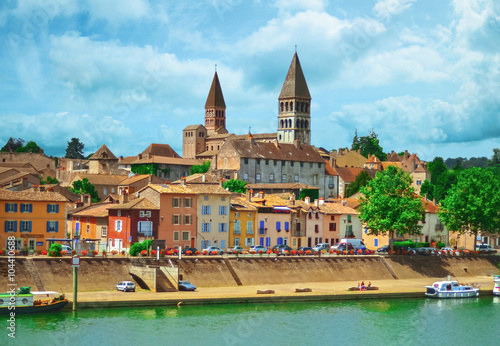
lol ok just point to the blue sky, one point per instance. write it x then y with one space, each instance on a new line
424 75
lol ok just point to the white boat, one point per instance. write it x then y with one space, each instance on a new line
451 289
496 288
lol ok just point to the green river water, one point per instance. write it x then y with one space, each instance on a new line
472 321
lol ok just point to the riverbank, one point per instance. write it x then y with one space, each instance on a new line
320 291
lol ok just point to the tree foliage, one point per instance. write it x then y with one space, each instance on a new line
442 180
74 150
203 168
235 185
473 203
49 180
311 193
55 250
136 248
84 187
29 147
389 204
13 144
369 145
362 179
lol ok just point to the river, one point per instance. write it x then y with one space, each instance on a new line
472 321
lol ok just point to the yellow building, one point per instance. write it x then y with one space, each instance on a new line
242 223
32 218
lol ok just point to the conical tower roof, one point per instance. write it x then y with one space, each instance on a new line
103 153
295 85
215 98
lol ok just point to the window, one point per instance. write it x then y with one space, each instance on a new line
310 165
205 227
245 160
25 226
278 225
236 242
176 219
147 213
176 235
275 162
249 227
296 178
188 202
257 178
271 177
26 208
205 198
319 165
119 213
292 163
283 163
205 209
223 198
88 228
105 191
237 214
419 182
112 190
267 162
249 242
141 213
52 208
330 182
258 161
245 176
287 226
375 242
10 226
283 178
185 235
188 219
52 226
145 228
237 227
315 179
222 227
249 214
175 202
302 164
104 231
333 227
316 228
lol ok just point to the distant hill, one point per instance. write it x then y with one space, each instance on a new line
481 162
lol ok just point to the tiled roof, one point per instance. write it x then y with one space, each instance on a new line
37 160
139 203
219 136
102 179
393 157
386 164
372 159
197 178
103 153
193 127
239 202
295 83
429 206
284 152
329 169
169 188
135 178
256 136
128 160
169 161
46 196
276 186
215 97
349 174
159 150
350 202
209 189
96 210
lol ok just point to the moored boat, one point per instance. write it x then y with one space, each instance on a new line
451 289
26 302
496 288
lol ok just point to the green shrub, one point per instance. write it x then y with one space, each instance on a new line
136 248
55 250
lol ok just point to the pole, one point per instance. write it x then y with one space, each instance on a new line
75 287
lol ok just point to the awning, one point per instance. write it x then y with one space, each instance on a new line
282 208
59 239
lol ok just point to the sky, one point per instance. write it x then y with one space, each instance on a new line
424 75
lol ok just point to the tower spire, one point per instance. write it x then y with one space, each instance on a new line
215 107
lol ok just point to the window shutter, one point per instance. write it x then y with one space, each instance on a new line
48 226
287 226
15 207
6 225
48 208
30 208
22 207
209 210
209 227
278 225
57 208
29 226
6 208
57 226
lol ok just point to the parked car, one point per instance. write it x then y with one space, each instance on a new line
334 247
384 248
258 248
186 286
305 248
171 250
235 250
67 248
345 246
126 286
321 246
280 248
361 247
211 249
192 249
485 247
426 251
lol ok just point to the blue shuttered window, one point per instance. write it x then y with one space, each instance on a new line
287 226
11 226
278 225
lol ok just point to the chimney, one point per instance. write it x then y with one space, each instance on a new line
296 144
124 197
203 178
140 156
359 151
316 202
183 181
261 194
220 182
150 178
340 151
249 195
307 200
321 201
292 199
251 139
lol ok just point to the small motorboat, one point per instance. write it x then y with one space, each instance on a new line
26 302
496 288
451 289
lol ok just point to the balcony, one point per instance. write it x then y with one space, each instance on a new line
439 227
249 231
298 234
237 231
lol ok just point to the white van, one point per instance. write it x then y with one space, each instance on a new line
354 242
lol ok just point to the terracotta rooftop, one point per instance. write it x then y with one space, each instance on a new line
284 152
101 179
95 210
46 196
193 127
349 174
103 153
138 203
169 161
295 83
279 186
163 150
215 97
197 178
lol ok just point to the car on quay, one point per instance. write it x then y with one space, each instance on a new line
321 246
170 251
384 249
486 247
345 246
304 249
192 249
186 286
126 286
211 249
235 250
258 248
279 249
66 248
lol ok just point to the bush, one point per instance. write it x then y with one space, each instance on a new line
55 250
137 248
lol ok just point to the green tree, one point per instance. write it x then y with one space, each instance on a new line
495 159
84 187
313 194
48 181
235 185
203 168
136 248
369 145
362 179
427 189
74 150
473 203
55 250
13 144
29 147
390 205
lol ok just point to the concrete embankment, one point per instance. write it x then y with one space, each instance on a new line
101 274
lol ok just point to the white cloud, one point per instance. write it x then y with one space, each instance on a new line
385 9
117 11
300 5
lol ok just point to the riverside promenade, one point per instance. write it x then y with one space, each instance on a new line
320 291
